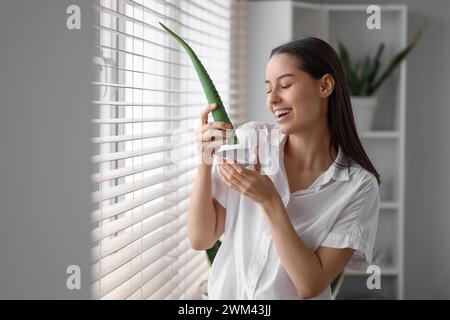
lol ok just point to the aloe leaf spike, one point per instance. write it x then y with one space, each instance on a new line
219 114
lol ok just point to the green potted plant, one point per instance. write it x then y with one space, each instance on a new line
364 79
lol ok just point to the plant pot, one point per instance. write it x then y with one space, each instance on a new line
364 111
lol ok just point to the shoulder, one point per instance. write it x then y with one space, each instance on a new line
360 195
363 181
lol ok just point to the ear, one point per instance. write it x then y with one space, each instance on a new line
326 85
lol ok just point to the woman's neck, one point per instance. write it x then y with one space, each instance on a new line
309 151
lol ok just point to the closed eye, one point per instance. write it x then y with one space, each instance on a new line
281 87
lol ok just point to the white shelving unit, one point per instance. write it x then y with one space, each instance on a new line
385 144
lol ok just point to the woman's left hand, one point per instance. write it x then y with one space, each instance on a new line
251 183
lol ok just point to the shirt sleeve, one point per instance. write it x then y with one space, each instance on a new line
356 226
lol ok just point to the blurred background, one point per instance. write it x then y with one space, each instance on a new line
98 105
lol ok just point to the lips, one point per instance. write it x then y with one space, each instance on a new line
281 113
283 117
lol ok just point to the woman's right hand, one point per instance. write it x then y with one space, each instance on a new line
210 136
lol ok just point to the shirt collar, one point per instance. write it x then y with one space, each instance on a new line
338 170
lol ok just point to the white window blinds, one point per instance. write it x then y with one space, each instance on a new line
146 108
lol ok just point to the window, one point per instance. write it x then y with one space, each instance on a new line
146 107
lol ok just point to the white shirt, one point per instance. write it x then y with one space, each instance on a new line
340 209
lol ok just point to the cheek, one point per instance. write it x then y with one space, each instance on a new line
305 100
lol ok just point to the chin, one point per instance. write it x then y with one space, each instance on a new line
286 129
291 128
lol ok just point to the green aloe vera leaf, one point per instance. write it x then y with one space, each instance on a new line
219 114
212 252
397 59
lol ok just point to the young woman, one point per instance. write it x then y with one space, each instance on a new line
287 235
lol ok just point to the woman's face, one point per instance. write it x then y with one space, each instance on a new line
288 87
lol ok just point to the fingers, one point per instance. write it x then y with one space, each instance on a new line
236 167
214 135
212 131
213 146
233 168
229 176
206 111
217 131
216 125
208 150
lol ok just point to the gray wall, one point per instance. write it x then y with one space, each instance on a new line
427 225
259 48
45 113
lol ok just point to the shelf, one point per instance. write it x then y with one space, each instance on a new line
385 156
346 7
354 287
361 7
389 205
379 135
388 271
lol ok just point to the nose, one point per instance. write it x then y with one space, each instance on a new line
273 97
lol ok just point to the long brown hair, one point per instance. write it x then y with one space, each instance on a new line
317 58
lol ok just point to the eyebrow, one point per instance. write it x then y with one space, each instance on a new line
282 76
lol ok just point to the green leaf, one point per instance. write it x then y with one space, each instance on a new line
352 79
397 59
211 252
219 114
376 65
366 71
